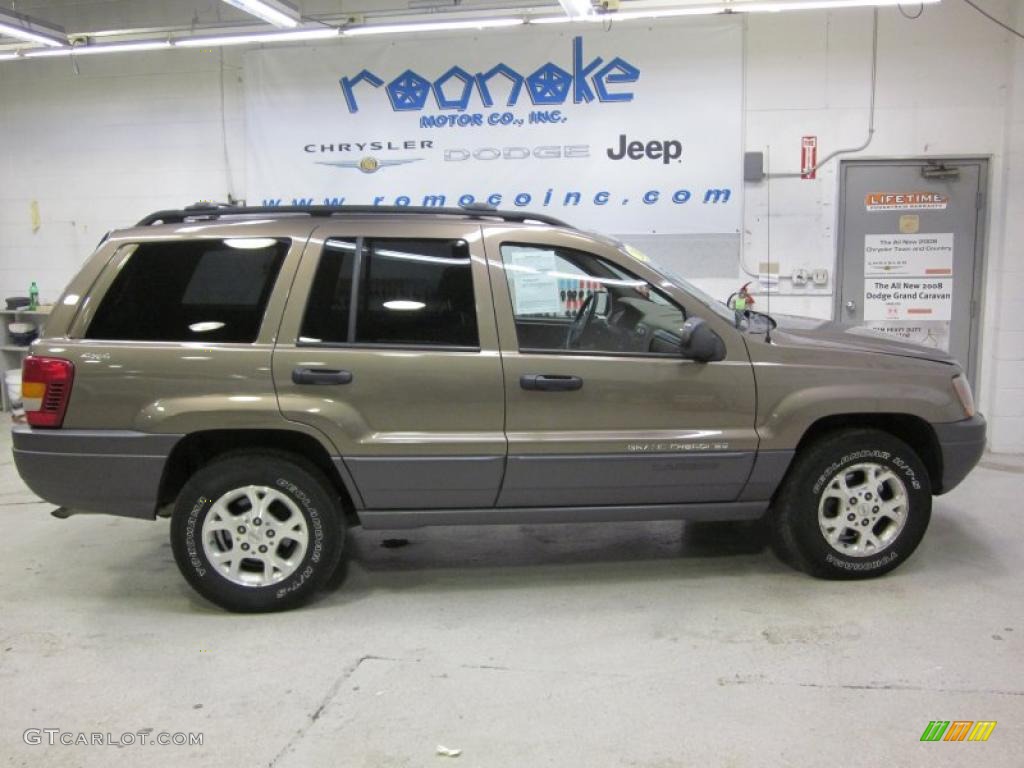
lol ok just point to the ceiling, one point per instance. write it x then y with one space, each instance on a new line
102 26
88 17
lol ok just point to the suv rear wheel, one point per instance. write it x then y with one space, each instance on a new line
855 504
257 531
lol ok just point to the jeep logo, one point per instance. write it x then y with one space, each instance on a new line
552 152
666 151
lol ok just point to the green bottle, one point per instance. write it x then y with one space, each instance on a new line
33 296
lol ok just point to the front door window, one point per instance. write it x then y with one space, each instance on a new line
571 301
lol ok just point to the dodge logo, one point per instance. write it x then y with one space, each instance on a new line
552 152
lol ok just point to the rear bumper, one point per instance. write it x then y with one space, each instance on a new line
115 472
961 443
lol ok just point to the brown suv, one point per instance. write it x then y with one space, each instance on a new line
268 377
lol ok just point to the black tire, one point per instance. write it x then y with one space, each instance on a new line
294 478
800 540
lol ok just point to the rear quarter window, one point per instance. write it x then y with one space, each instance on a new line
195 290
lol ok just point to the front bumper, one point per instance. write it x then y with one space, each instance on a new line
115 472
962 444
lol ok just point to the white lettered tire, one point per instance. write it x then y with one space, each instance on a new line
854 504
257 531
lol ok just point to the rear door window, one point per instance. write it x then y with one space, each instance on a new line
407 292
191 290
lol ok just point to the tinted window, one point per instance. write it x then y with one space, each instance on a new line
329 307
568 300
410 292
197 290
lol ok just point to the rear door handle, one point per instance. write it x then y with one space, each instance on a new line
320 376
550 382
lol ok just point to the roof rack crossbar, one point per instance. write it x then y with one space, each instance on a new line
210 212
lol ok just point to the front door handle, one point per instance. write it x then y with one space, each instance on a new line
320 376
550 382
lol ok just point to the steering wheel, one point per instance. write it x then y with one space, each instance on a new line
581 322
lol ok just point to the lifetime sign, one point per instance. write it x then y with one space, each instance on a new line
548 85
905 201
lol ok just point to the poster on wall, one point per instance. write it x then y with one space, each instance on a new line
914 255
928 334
908 286
636 131
908 299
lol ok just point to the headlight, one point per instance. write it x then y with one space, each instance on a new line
963 392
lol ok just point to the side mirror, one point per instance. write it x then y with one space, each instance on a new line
700 343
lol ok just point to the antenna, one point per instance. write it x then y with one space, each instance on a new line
768 282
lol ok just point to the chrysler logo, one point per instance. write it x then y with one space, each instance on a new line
368 164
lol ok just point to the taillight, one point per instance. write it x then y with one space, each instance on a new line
46 389
962 387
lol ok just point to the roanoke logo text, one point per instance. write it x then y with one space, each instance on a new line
548 84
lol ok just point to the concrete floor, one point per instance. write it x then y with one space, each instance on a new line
650 645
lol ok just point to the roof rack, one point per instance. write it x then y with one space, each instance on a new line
210 211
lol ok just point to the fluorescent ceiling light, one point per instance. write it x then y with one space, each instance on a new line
653 13
738 6
250 243
576 9
772 6
404 305
276 12
664 13
314 33
24 27
389 254
437 26
206 327
88 50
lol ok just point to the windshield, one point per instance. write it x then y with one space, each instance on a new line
716 306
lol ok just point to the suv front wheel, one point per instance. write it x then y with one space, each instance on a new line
257 531
855 504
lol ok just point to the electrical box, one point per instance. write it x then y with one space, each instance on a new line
753 166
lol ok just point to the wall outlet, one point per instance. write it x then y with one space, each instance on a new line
800 276
820 276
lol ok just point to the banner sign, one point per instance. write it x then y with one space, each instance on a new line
629 131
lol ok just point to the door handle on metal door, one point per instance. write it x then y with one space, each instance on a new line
320 376
551 383
851 305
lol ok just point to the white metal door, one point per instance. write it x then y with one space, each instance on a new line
910 250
